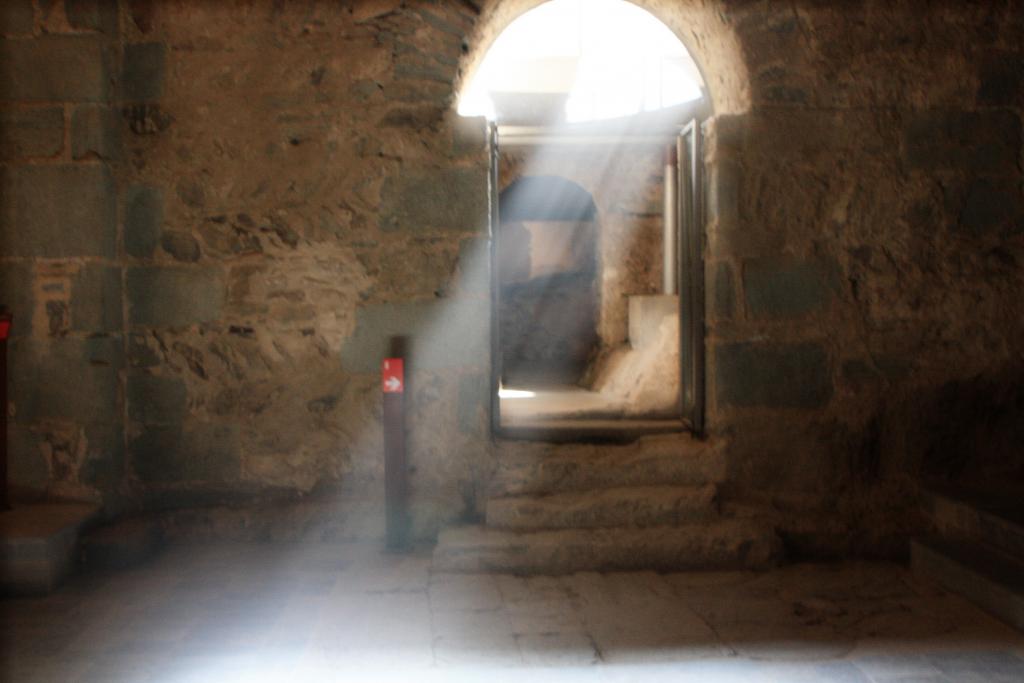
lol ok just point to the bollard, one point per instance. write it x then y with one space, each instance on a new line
396 485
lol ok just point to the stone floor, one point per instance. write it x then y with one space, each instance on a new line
276 612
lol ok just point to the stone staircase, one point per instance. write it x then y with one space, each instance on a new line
978 548
650 504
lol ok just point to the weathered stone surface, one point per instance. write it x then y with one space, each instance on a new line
606 508
67 378
125 543
779 288
104 465
195 453
143 77
979 142
167 296
95 132
156 399
669 460
39 544
990 579
723 199
989 206
143 221
723 292
56 211
96 15
142 354
1002 78
63 68
729 544
473 403
443 334
17 17
181 245
749 374
96 299
435 199
27 469
34 132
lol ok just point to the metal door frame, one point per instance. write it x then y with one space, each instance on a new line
690 254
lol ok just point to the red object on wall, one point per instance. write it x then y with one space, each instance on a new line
5 328
392 376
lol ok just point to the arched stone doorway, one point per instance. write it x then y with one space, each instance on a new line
624 271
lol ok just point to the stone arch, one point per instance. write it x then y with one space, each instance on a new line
700 26
550 198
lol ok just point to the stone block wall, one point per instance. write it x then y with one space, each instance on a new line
299 192
61 268
214 216
864 254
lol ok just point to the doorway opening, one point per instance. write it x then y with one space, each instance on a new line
597 278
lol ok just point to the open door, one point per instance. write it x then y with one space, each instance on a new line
492 235
691 274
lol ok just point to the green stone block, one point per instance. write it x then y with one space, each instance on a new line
56 211
198 452
66 378
35 132
754 375
27 469
170 296
985 141
990 206
104 463
155 399
143 76
143 220
435 199
443 334
95 132
783 288
96 301
51 68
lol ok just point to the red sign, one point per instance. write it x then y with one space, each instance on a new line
5 327
392 376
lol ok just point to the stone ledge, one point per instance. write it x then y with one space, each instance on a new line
39 545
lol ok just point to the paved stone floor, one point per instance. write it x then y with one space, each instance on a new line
256 612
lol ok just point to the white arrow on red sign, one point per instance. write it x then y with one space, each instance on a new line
393 384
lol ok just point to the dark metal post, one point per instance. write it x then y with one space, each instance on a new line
396 485
5 327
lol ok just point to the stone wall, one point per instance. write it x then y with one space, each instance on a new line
865 244
214 215
61 265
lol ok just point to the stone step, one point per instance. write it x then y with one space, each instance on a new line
617 507
988 518
124 543
723 544
39 545
659 460
986 577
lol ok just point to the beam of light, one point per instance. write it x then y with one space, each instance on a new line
609 58
515 393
